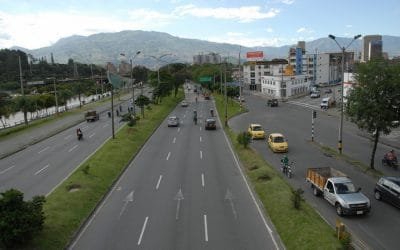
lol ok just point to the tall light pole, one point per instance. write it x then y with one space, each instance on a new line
133 87
158 66
340 143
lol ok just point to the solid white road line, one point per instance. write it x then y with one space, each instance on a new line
143 228
202 180
200 139
41 170
201 154
174 140
205 228
90 136
105 125
5 170
67 137
41 151
158 183
169 154
74 147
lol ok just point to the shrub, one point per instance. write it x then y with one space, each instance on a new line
244 138
297 197
19 219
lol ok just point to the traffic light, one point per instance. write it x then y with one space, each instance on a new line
314 114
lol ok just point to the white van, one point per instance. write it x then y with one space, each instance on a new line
327 102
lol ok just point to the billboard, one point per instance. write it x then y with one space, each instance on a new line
255 55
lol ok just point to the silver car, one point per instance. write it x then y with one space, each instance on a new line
173 121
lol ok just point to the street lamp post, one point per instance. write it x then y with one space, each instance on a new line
340 143
133 87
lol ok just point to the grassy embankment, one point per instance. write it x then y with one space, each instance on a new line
65 211
298 229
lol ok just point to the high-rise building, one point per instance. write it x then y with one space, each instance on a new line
372 47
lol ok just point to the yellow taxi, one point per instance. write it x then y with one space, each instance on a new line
277 143
256 131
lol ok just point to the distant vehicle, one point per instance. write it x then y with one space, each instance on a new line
256 131
241 99
327 102
338 190
210 123
173 121
388 189
315 94
184 103
278 143
313 88
328 91
272 102
91 116
206 96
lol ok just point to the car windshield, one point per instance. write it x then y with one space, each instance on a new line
279 139
173 118
257 128
345 188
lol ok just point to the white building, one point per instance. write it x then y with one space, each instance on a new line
253 71
282 87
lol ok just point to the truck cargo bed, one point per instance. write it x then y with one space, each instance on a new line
319 176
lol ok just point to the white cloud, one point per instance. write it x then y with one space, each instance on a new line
304 30
243 14
349 26
244 40
300 30
288 2
270 30
235 34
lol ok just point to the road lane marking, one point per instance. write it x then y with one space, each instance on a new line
90 136
200 139
143 228
105 125
128 198
67 137
41 151
201 154
205 228
41 170
179 129
74 147
173 141
5 170
83 128
200 128
202 180
158 183
169 154
178 197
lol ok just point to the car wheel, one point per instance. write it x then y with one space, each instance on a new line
339 209
378 195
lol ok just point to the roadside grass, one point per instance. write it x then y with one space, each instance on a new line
8 132
66 211
298 229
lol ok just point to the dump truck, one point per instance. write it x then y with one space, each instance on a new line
91 116
338 190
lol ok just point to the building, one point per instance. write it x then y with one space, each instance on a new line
253 71
284 86
371 47
212 58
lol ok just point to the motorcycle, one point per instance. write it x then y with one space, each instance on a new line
80 136
287 169
390 162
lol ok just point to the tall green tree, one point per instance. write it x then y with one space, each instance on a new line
374 103
23 104
6 104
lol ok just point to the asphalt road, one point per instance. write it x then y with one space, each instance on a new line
184 190
377 230
40 168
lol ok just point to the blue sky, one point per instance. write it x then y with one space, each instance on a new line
35 24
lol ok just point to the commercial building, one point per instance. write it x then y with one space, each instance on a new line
212 58
284 86
253 71
371 47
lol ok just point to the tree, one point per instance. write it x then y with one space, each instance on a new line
374 103
244 138
142 101
5 107
19 219
23 104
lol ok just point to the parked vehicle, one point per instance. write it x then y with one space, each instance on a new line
388 189
327 102
278 143
210 123
91 116
173 121
256 131
328 91
338 190
272 102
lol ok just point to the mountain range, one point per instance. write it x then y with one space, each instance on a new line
106 47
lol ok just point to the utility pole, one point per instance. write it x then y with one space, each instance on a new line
226 102
112 102
240 81
55 94
22 91
133 90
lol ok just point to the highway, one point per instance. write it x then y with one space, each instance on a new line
184 190
377 230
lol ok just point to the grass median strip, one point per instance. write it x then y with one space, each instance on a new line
298 229
73 201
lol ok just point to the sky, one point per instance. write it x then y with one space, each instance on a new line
35 24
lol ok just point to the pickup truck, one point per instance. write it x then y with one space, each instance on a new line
91 116
338 190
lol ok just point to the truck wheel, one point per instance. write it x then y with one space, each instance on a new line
378 195
315 191
339 209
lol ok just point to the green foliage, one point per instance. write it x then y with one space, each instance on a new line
297 198
244 138
19 219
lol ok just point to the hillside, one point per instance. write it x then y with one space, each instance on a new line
103 47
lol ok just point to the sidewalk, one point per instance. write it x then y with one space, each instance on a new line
24 139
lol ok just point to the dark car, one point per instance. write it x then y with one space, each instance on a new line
272 103
210 123
328 91
388 189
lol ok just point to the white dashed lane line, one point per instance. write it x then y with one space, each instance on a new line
143 228
159 181
169 154
41 151
42 169
5 170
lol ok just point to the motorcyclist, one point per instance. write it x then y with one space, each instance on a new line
79 133
391 157
195 116
285 163
212 112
